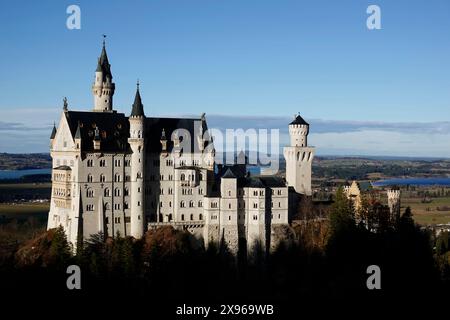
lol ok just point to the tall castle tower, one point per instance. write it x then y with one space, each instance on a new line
299 157
136 141
394 202
229 209
103 87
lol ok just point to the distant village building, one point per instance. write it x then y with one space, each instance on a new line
122 175
393 196
356 190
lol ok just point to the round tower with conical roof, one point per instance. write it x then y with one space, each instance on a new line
136 141
103 87
299 157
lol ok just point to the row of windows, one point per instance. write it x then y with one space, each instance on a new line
107 206
200 217
60 192
169 163
191 204
64 162
103 163
183 217
118 219
61 177
261 192
184 191
117 177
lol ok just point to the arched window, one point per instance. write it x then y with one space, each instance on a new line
192 217
89 178
191 204
182 217
117 192
102 178
107 192
170 217
107 206
200 204
200 216
117 177
90 193
182 204
183 177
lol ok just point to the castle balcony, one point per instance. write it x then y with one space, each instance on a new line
182 225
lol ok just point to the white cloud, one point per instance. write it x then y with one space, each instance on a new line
28 130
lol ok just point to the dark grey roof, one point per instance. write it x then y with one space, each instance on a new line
273 182
299 120
138 107
114 130
238 171
52 136
229 174
262 182
154 127
103 64
62 168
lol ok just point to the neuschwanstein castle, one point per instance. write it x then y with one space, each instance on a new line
123 175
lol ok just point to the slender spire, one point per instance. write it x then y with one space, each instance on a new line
103 63
52 136
78 133
138 107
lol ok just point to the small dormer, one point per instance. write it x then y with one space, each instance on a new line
97 139
163 140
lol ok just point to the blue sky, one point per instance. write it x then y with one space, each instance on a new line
366 90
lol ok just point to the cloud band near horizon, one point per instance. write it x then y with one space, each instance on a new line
339 137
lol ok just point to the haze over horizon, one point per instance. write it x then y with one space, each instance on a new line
246 65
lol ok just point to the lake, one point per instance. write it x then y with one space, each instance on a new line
413 181
17 174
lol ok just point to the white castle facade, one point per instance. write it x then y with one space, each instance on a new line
122 175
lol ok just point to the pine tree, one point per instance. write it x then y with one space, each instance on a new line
342 212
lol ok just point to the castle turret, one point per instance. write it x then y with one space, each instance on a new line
103 87
136 141
299 157
228 211
394 203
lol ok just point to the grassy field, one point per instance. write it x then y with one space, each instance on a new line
427 213
21 186
22 212
10 192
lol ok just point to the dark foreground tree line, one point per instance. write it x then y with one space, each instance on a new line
170 266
